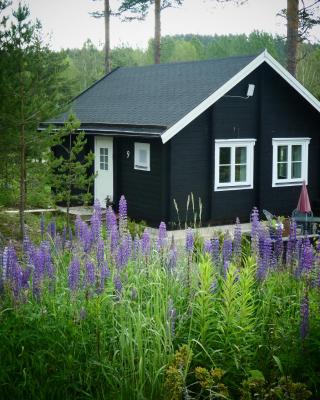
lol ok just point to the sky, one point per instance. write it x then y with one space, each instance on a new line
69 23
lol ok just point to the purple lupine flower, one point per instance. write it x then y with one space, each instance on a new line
26 244
172 316
11 269
122 215
214 286
207 247
216 251
17 279
136 246
97 210
254 219
111 220
114 239
78 227
52 229
189 240
86 238
306 258
226 250
48 268
124 251
100 252
26 274
95 224
278 245
298 249
117 285
255 230
162 236
105 272
90 274
127 245
172 256
74 274
9 261
104 275
58 243
237 236
264 257
42 226
291 243
304 316
145 242
120 257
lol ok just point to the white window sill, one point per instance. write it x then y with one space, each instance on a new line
284 184
228 188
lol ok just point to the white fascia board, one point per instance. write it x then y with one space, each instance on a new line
275 65
215 96
263 57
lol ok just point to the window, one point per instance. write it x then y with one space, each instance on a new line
234 164
142 156
290 161
104 158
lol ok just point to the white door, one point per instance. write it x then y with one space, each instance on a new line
103 167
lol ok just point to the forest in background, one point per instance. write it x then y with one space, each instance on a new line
86 65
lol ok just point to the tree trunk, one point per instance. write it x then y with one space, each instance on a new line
107 35
22 202
292 34
157 31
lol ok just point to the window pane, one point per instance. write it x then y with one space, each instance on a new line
241 173
282 153
296 152
225 174
296 170
282 170
142 156
102 165
241 155
225 155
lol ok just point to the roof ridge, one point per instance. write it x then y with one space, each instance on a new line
191 61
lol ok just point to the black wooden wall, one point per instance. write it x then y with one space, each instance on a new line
145 191
236 118
284 113
190 170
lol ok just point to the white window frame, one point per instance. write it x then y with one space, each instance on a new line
233 143
304 142
137 164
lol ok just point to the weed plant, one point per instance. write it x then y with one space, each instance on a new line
95 313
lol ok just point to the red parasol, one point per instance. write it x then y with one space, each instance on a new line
304 202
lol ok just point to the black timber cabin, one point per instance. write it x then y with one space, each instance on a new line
237 132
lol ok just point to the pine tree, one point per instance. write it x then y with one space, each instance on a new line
138 9
70 176
31 87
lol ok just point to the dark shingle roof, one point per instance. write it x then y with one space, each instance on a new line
154 94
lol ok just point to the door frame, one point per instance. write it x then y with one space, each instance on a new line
110 141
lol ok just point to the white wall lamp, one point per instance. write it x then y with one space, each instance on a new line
250 92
